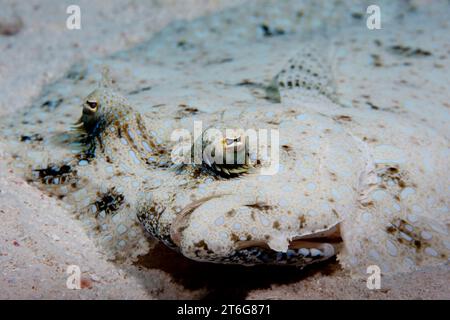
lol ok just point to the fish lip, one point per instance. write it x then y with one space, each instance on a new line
330 236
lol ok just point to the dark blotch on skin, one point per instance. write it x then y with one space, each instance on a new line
203 247
399 225
54 171
109 202
231 213
393 174
260 206
276 225
64 173
201 244
302 221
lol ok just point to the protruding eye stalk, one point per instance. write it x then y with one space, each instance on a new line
225 156
231 141
92 121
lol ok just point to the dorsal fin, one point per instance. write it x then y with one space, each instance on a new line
307 75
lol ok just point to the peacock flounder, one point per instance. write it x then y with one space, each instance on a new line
362 148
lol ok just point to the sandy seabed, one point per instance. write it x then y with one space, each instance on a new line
38 239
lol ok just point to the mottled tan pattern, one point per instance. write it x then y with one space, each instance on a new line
353 157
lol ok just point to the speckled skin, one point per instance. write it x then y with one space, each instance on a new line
363 155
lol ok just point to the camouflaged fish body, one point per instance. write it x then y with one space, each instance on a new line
363 152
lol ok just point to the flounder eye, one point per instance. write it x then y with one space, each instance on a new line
91 106
225 157
231 141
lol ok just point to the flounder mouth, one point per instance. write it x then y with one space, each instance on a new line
227 156
301 251
306 248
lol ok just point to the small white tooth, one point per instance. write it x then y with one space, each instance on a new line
303 251
328 250
315 252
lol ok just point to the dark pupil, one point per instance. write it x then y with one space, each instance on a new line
92 104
